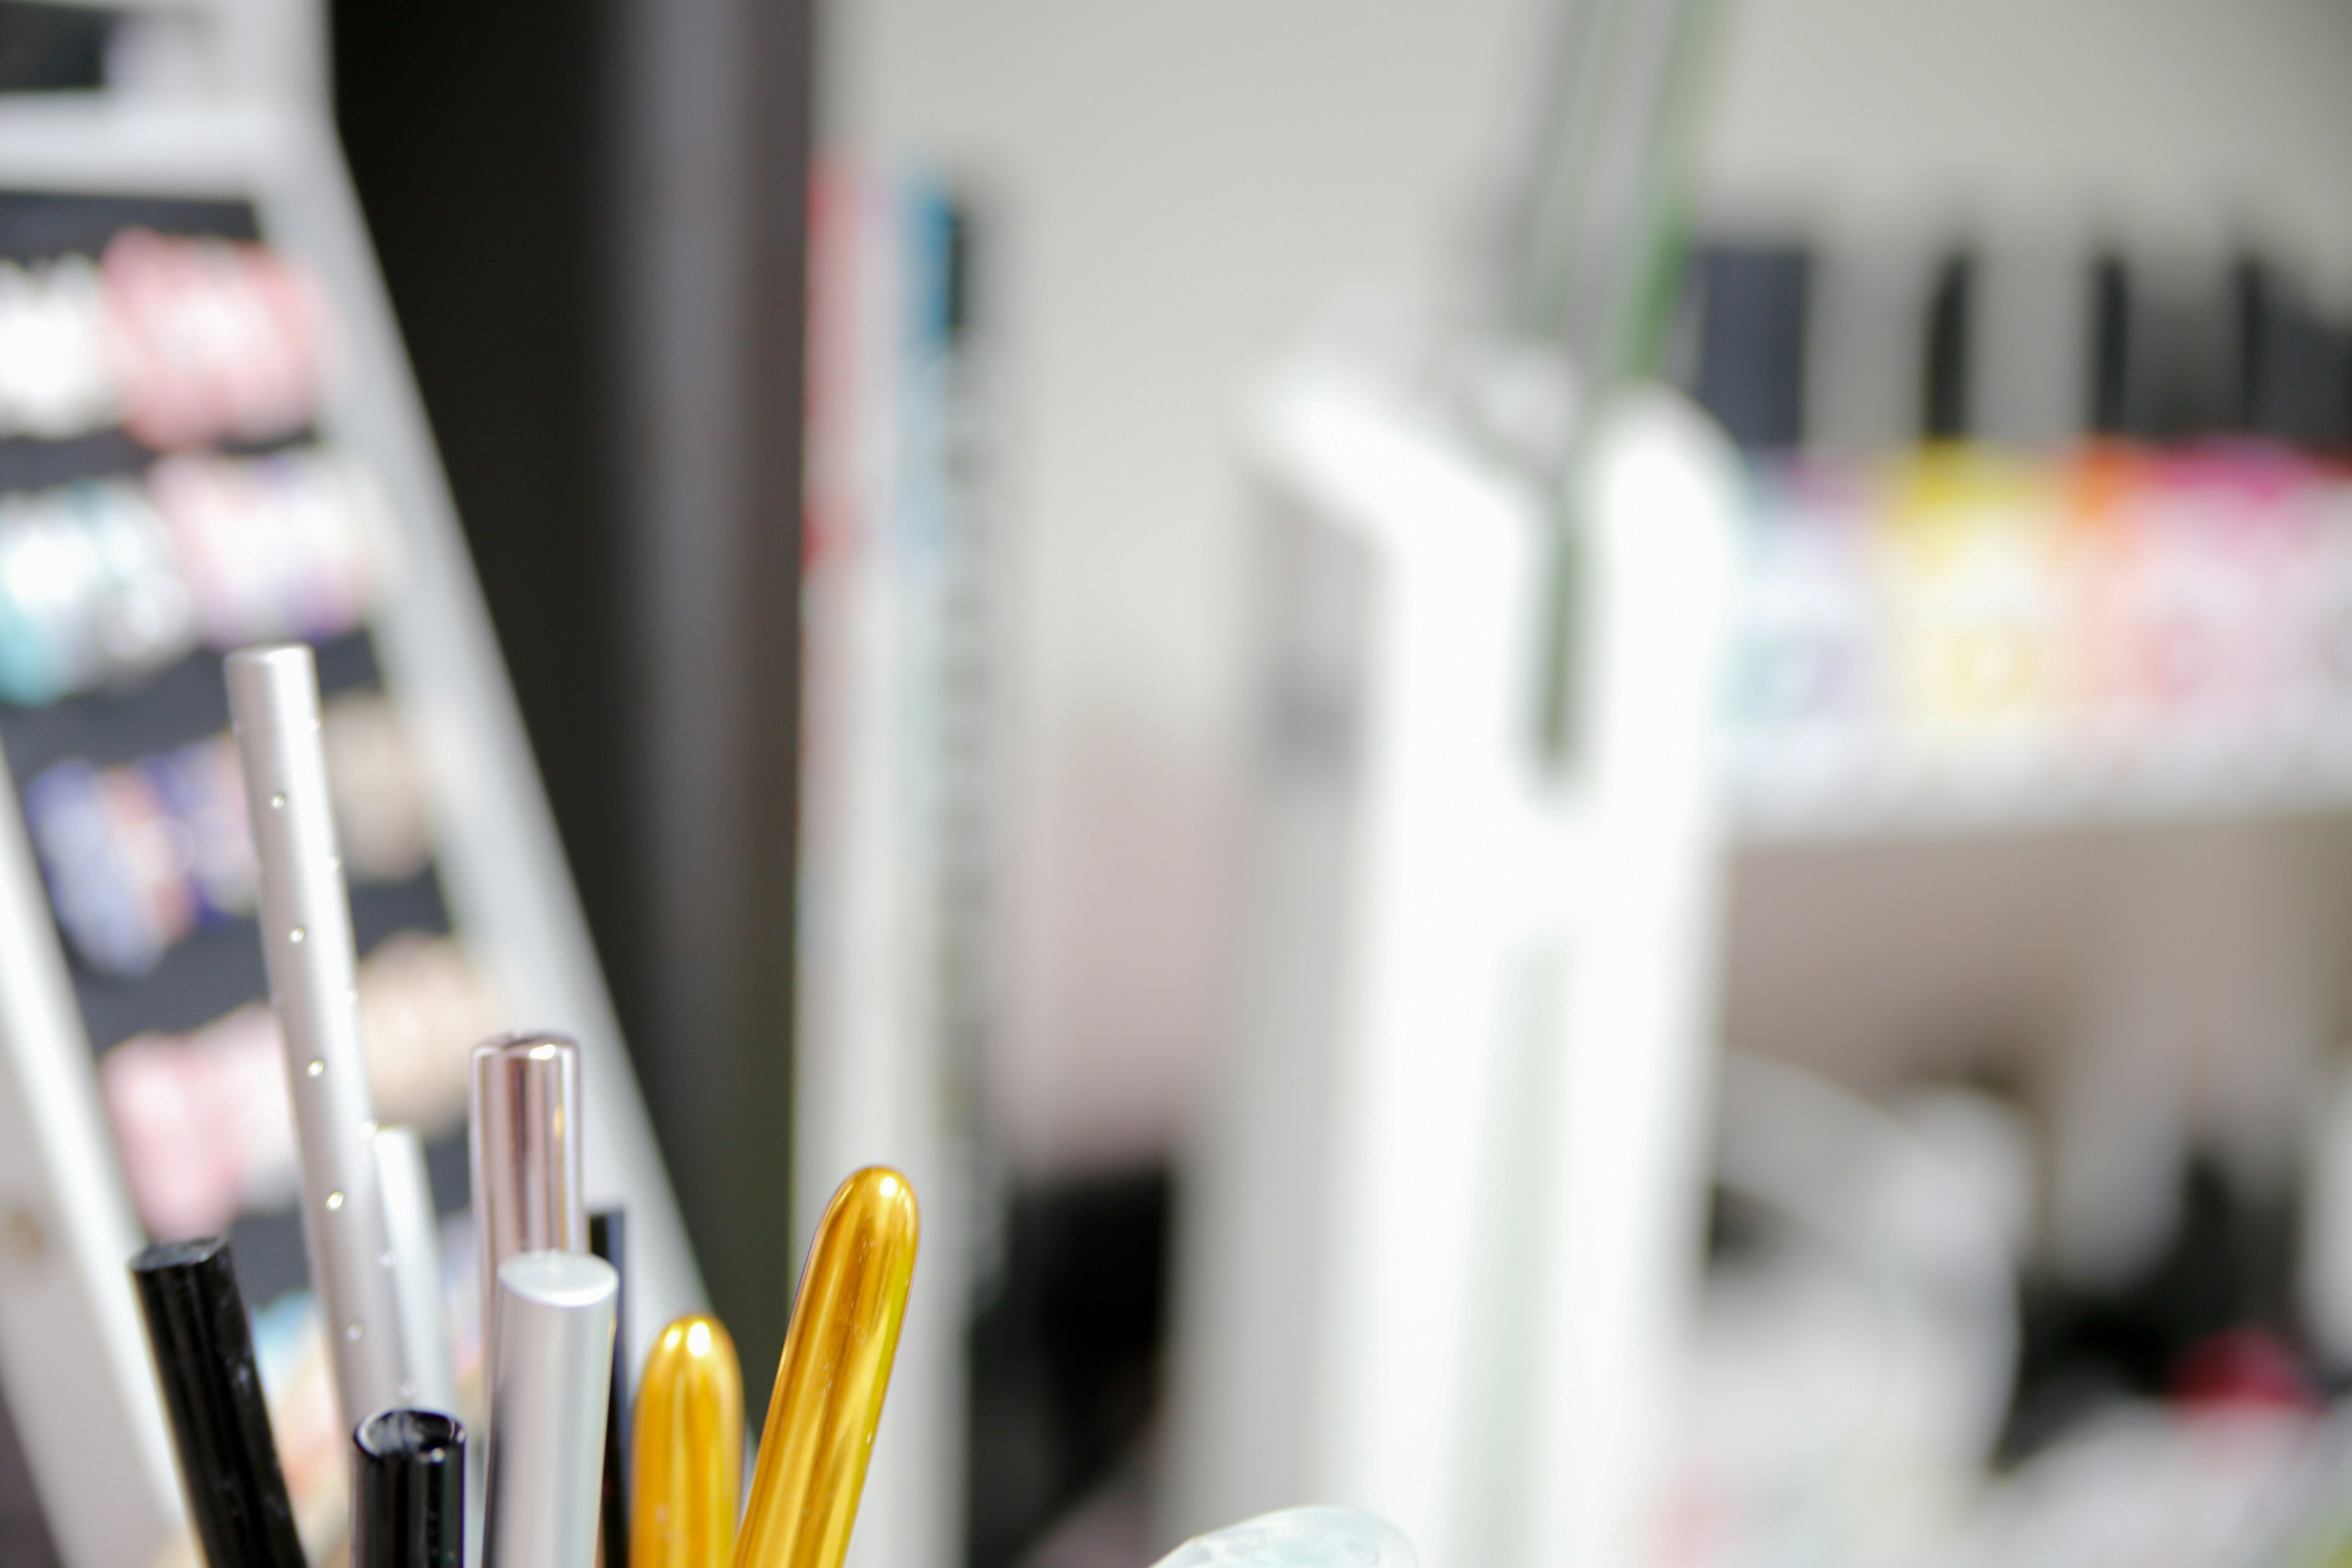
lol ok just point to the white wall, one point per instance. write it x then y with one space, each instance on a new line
2179 117
1163 189
1168 185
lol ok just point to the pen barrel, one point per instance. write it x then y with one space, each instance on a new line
554 1342
414 1232
408 1491
306 944
688 1470
212 1393
830 1383
528 1191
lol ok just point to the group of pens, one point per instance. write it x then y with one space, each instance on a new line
555 1494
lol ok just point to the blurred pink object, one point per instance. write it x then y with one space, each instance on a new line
282 546
203 1121
216 341
2244 1368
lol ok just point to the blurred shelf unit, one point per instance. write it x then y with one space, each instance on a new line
208 437
209 50
2034 538
1963 640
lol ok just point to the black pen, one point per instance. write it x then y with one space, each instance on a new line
211 1391
608 1239
408 1491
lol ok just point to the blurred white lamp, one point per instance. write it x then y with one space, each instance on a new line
1436 1246
1299 1538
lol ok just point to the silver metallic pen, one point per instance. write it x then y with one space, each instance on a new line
306 944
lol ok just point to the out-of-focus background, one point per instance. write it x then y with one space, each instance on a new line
1577 768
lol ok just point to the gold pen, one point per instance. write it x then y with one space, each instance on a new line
835 1371
689 1449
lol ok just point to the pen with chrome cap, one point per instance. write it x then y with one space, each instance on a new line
212 1393
306 945
526 1152
689 1449
835 1371
548 1398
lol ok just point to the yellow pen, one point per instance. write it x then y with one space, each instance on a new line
688 1445
835 1369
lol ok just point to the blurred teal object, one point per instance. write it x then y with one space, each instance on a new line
1299 1538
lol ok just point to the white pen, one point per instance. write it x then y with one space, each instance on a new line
410 1222
306 944
552 1383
